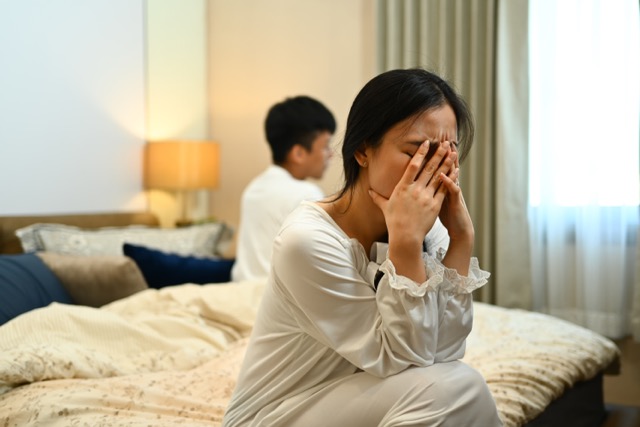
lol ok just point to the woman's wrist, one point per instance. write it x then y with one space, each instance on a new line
464 236
462 242
458 255
407 260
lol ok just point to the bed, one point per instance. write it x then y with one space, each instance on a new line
168 354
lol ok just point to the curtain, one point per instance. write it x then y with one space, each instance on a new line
481 48
584 179
635 308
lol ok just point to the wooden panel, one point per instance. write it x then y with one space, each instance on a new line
9 243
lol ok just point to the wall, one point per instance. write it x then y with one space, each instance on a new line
177 90
77 107
71 106
262 52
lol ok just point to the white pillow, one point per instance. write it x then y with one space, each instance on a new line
197 240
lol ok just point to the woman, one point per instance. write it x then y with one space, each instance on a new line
364 318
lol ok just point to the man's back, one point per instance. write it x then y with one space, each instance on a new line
266 202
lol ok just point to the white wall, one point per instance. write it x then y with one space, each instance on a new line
71 105
177 90
177 99
264 51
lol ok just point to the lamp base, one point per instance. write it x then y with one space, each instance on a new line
184 222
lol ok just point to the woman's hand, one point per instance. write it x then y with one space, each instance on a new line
454 215
413 207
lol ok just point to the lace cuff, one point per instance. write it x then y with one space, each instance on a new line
439 277
458 283
402 283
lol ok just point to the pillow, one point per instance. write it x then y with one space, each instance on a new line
165 269
95 280
198 240
26 283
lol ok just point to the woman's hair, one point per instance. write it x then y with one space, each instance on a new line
390 98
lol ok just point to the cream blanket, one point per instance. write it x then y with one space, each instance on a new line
170 357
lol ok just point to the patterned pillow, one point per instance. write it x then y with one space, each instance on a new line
198 240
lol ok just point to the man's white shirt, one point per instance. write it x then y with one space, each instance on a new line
266 202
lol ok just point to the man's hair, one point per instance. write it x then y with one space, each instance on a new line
296 120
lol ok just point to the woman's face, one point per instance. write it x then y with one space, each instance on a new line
388 161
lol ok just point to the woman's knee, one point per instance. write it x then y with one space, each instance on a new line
449 378
464 376
458 392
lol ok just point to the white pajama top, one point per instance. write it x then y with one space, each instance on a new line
329 312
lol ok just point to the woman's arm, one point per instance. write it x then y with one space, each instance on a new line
454 215
454 292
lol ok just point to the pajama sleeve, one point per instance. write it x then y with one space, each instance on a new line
455 303
446 295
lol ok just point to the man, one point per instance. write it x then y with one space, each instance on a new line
298 131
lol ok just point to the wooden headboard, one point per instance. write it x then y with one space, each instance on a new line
9 243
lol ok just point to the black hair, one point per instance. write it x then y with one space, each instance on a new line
296 120
390 98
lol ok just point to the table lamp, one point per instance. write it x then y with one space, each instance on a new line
182 166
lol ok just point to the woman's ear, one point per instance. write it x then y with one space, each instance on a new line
362 157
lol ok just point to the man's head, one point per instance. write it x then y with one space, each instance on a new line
298 131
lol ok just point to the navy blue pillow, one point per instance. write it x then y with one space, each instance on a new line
164 269
26 283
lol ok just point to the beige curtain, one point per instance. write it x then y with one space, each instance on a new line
481 48
635 306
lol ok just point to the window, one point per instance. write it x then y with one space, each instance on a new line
585 103
583 160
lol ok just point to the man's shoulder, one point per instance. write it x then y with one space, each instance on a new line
276 184
309 188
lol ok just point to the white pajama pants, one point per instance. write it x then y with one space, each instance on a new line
444 394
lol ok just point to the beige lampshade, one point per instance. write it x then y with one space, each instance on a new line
181 165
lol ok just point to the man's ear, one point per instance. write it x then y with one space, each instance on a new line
297 154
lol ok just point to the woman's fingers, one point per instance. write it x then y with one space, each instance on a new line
445 158
379 200
450 182
415 164
428 167
426 174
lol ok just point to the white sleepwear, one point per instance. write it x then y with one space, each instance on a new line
266 202
329 349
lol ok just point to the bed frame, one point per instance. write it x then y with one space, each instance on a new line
9 243
580 406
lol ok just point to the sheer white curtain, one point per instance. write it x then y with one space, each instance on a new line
584 175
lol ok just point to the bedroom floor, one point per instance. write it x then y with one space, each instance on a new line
622 392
